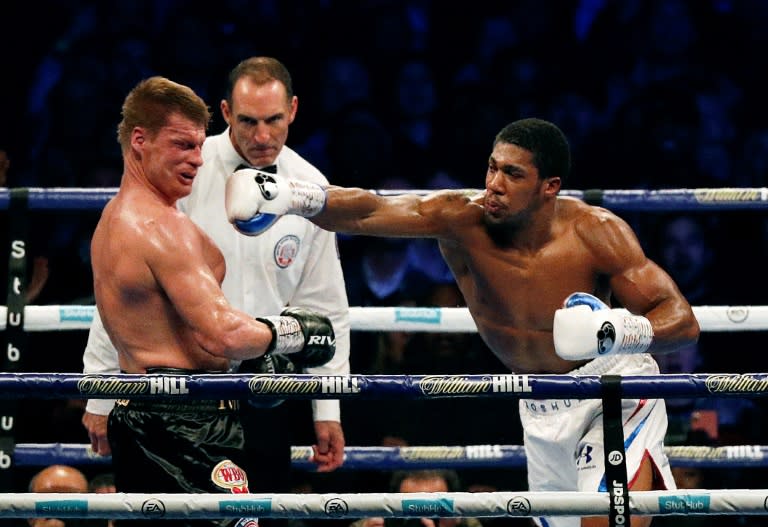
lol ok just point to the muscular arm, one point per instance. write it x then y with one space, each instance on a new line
647 289
639 284
178 262
358 211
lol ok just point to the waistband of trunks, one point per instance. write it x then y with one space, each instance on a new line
180 371
176 404
549 406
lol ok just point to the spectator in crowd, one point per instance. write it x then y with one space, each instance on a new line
103 483
421 481
688 477
61 479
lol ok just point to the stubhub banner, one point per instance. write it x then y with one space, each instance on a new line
685 503
422 507
424 315
51 509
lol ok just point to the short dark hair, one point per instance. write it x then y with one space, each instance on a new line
105 479
547 143
261 70
450 477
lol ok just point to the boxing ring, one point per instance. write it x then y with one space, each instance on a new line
16 319
497 504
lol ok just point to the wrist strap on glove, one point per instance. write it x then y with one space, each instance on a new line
635 336
307 199
287 335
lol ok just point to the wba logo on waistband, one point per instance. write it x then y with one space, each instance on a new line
228 475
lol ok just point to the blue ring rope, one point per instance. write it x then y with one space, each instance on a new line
726 198
306 386
417 457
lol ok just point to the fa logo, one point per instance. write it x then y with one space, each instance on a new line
606 336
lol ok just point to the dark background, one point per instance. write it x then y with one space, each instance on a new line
652 94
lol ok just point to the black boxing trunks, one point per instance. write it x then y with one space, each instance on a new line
177 446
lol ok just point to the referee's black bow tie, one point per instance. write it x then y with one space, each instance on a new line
272 169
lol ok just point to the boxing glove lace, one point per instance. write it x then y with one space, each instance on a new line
585 328
305 335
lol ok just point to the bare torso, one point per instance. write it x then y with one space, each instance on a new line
512 293
135 310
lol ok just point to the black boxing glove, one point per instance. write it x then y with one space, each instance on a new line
305 335
271 365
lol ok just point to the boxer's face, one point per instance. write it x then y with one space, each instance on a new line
513 188
259 117
171 157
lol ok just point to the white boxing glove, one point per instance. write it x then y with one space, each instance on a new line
585 328
254 199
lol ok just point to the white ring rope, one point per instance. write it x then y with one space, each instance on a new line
426 319
396 505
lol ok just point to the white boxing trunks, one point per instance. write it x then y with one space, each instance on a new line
563 438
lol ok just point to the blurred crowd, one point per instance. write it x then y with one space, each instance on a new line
409 94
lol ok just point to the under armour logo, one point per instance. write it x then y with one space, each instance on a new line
585 455
606 337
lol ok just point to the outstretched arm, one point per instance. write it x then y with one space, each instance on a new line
359 211
255 199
